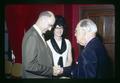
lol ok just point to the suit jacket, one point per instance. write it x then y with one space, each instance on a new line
36 56
93 62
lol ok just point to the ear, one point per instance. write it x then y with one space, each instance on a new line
43 19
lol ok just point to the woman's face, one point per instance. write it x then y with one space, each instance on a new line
58 31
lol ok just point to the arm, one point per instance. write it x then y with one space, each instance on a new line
86 67
87 64
32 64
69 71
69 58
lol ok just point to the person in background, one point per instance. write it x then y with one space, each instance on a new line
93 61
59 45
37 58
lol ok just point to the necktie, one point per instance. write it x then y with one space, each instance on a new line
44 38
60 61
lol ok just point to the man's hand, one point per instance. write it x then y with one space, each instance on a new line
57 70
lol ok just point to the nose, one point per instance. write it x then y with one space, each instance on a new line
75 34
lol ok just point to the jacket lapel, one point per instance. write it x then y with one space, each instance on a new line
48 50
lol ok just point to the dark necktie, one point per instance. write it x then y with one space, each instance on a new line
44 38
60 61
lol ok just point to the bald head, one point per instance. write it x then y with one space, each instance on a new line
46 13
45 21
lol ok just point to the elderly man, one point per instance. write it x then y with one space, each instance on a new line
37 61
93 61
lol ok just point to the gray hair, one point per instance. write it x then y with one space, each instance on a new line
88 25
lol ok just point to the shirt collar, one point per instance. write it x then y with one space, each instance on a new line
39 31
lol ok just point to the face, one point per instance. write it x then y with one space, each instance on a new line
80 36
58 31
48 23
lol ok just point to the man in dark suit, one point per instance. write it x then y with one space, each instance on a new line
36 55
93 61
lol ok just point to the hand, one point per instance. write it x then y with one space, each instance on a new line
57 70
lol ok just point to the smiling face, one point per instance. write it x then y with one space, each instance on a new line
58 31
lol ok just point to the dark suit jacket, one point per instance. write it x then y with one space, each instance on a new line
93 62
36 56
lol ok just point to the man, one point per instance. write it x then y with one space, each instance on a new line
36 55
93 61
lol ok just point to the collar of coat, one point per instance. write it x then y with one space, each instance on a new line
55 46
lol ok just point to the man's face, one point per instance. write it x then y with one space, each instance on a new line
80 35
48 24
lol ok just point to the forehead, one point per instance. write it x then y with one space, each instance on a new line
77 28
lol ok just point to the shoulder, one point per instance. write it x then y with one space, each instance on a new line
67 41
31 31
30 34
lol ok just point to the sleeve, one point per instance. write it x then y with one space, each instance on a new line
71 71
86 67
67 71
31 62
89 65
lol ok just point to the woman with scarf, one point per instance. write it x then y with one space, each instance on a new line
59 45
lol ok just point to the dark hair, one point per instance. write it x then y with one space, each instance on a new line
61 22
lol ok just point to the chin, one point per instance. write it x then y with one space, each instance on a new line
81 44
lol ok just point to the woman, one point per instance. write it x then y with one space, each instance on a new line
59 45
